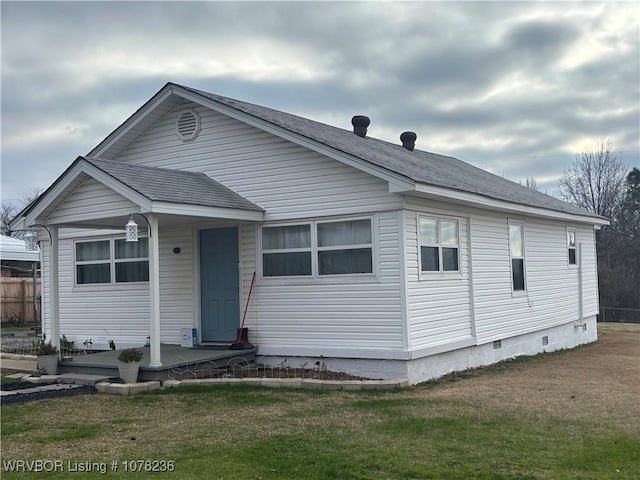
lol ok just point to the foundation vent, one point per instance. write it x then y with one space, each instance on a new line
497 344
188 125
545 341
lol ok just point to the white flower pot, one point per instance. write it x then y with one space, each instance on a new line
128 371
48 364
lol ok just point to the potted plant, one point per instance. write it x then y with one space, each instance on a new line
47 357
129 364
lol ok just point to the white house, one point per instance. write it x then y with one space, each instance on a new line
394 261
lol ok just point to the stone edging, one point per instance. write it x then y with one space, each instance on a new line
17 356
306 383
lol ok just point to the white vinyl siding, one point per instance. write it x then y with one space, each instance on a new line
120 312
552 289
327 316
439 305
285 179
92 200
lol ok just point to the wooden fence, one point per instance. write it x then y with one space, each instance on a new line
17 299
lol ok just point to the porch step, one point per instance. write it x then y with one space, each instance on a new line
82 378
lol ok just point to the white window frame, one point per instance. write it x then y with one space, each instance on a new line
440 273
574 247
523 258
315 276
112 261
352 246
286 250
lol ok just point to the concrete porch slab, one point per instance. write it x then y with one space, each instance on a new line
177 362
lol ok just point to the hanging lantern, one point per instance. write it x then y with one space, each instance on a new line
131 229
31 241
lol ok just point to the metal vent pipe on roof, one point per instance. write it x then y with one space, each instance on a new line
360 124
408 140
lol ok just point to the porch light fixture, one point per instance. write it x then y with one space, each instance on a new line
131 230
31 237
31 241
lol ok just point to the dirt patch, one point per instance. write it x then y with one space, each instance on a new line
596 380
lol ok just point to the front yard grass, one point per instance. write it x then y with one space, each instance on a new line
573 415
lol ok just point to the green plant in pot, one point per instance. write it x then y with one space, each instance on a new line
129 364
47 356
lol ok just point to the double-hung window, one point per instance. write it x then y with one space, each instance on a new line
344 247
516 250
286 251
317 249
111 261
439 244
93 262
571 247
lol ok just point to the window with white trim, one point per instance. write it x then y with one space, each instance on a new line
286 251
314 249
111 261
439 244
345 247
516 251
571 247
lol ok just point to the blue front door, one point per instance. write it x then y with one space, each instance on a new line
219 284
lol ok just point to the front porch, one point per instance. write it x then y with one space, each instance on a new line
114 288
177 362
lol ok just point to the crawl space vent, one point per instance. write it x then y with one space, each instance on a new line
188 125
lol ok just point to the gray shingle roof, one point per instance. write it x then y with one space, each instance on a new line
419 166
175 186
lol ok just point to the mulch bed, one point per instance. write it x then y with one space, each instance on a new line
31 397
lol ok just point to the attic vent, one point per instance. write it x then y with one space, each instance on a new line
408 140
360 124
188 125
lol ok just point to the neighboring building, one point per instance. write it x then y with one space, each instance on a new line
19 300
394 261
16 260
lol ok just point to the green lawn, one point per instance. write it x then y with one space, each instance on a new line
247 433
538 419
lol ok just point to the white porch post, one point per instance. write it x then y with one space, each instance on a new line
55 288
154 291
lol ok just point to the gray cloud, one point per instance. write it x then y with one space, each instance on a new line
512 87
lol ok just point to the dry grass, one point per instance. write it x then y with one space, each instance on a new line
599 381
572 414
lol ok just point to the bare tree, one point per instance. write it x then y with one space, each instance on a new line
595 179
31 195
8 210
531 182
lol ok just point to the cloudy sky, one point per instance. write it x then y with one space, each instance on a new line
515 88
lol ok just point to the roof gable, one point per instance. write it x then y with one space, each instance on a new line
403 168
151 189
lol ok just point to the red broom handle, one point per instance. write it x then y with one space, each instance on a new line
246 306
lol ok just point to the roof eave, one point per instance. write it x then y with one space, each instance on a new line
484 202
